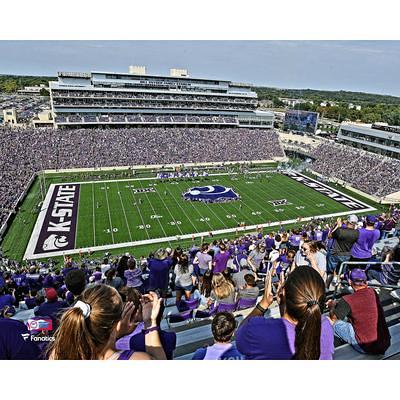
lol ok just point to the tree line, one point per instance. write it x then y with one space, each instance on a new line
12 83
374 107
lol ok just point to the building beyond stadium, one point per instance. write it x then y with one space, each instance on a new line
137 99
381 139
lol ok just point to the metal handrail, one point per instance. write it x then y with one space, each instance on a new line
361 263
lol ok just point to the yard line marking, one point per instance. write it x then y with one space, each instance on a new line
109 215
123 209
201 216
154 211
130 189
176 201
94 218
180 230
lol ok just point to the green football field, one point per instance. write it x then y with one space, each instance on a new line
111 212
119 214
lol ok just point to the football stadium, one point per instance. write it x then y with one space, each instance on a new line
166 217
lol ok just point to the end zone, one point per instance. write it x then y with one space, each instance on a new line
55 228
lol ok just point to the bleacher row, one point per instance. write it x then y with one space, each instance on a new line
193 333
150 96
104 103
148 118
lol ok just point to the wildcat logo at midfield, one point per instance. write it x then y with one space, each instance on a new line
58 230
211 194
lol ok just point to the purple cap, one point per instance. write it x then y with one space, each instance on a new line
371 219
358 275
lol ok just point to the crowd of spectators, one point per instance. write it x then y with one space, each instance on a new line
27 151
368 172
113 309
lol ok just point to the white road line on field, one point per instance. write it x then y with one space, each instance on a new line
94 218
189 236
180 230
123 209
130 189
173 197
239 211
263 200
109 214
154 211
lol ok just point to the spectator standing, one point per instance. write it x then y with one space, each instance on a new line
203 259
159 267
184 278
221 259
113 280
362 248
133 275
343 240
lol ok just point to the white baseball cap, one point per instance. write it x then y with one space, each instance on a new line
353 219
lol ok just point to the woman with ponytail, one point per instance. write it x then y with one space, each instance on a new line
302 332
90 328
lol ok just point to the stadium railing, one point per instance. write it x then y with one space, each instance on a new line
348 265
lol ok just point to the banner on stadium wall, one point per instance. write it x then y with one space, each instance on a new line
55 229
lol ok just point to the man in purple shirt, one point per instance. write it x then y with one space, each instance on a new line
362 249
269 243
221 259
159 267
294 240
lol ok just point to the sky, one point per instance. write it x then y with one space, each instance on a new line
366 66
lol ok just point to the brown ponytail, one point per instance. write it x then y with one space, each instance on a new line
304 300
80 338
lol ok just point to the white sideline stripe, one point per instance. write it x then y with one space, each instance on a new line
153 178
39 223
188 236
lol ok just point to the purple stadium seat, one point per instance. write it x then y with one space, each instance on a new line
206 313
179 317
246 303
185 305
226 307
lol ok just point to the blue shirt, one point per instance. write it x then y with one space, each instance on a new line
218 351
159 273
6 300
51 309
13 345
